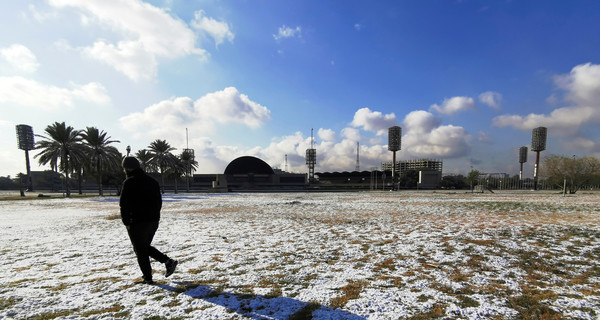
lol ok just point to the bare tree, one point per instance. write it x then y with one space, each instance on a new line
577 172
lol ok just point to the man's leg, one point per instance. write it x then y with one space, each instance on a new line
170 264
141 235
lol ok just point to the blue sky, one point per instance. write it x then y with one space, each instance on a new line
466 80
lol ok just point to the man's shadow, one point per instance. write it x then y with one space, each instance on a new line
260 307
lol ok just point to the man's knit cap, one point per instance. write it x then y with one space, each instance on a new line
131 163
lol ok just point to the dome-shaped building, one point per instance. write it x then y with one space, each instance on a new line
248 165
250 173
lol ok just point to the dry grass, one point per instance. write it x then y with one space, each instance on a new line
350 291
466 254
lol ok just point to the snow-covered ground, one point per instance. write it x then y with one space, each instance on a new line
367 255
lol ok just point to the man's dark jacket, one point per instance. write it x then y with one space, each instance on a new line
141 199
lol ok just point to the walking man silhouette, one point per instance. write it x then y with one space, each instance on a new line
140 203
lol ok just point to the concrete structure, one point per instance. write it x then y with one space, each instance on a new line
249 173
430 171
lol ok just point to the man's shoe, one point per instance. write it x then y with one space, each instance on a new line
171 265
146 281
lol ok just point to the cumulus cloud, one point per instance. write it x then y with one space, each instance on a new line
218 30
287 32
420 122
20 57
582 84
225 106
492 99
229 105
582 88
351 134
326 134
147 32
374 121
424 136
30 93
454 105
161 119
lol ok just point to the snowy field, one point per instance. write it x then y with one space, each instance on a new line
368 255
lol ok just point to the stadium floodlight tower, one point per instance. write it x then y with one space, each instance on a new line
311 159
522 159
189 157
25 142
538 144
394 142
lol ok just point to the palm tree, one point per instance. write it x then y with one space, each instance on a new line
145 159
187 158
162 157
60 143
176 170
100 153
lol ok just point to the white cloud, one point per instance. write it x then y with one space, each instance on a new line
454 105
30 93
374 120
128 57
420 122
163 119
20 57
39 15
492 99
218 30
424 136
357 26
483 137
582 86
229 105
147 33
566 119
351 134
287 32
326 134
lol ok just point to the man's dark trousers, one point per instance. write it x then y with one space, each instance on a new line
141 235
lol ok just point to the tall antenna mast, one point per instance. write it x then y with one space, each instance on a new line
357 156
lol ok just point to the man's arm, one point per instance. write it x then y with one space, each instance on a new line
124 204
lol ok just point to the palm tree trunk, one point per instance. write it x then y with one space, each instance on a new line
100 190
162 180
67 187
80 180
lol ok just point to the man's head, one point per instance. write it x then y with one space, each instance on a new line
130 163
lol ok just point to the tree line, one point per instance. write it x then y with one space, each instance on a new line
90 152
556 172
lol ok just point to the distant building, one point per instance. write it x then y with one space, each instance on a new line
430 171
249 173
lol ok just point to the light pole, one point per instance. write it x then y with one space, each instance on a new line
128 150
394 144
